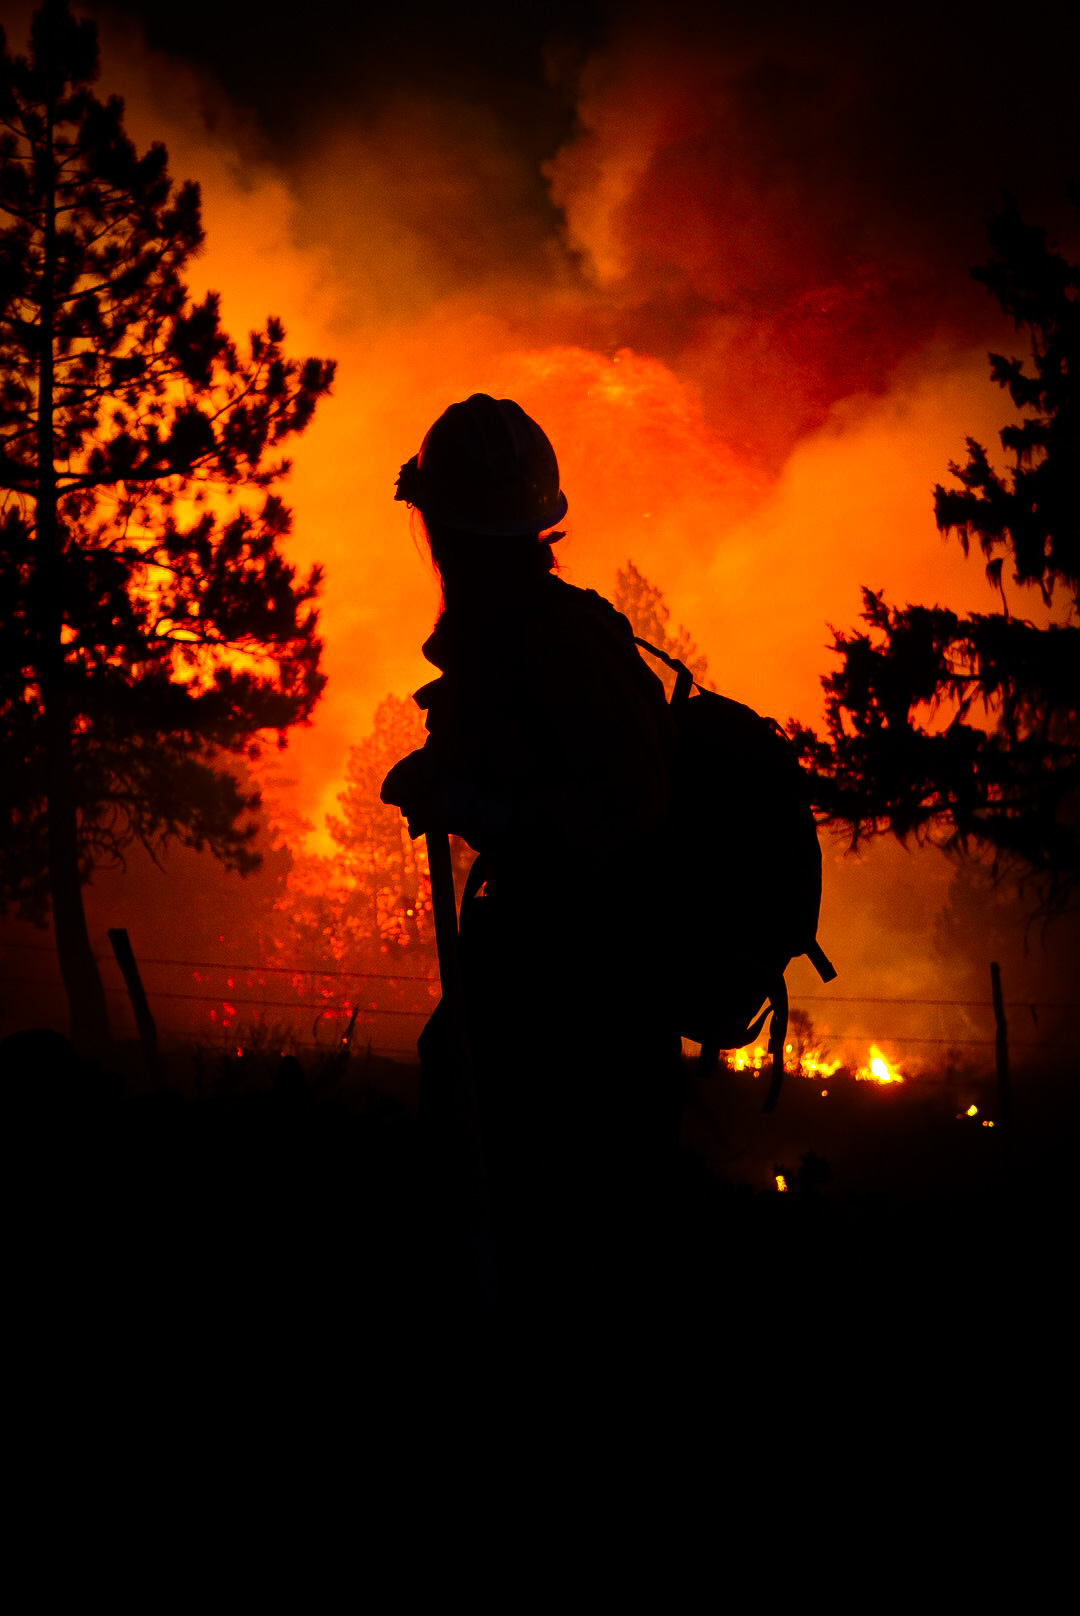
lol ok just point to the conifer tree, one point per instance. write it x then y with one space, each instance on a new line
369 905
385 873
149 623
649 614
966 729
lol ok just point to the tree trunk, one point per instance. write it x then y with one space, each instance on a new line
87 1011
89 1017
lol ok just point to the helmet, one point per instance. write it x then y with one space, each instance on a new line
485 467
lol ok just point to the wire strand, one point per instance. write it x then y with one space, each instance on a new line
407 976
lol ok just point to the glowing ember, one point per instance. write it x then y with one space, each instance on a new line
971 1111
879 1069
781 1182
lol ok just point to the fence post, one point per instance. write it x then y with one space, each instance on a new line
125 958
1004 1090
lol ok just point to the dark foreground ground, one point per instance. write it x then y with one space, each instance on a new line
231 1330
297 1202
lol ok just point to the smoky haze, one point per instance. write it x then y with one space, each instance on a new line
724 261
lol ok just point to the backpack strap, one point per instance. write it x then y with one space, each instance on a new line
821 962
684 680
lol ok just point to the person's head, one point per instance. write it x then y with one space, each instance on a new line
486 484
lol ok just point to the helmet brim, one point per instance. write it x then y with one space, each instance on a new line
495 530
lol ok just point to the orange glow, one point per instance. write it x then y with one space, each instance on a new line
971 1111
649 473
759 464
781 1183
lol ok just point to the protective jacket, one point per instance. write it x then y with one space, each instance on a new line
546 706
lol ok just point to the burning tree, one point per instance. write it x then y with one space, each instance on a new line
149 622
966 729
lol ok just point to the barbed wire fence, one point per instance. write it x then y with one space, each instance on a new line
369 1015
364 1014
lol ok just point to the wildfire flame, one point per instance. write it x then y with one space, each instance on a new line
812 1062
879 1069
812 1065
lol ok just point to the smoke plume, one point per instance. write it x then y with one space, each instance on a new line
724 260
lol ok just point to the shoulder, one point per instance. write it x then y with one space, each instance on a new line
584 611
585 637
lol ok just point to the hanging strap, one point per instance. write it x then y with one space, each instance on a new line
778 998
710 1050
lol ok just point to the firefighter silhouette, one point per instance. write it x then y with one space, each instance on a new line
548 751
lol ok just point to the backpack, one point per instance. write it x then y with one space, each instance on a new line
744 866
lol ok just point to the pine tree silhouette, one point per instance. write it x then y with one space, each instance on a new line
148 620
1003 774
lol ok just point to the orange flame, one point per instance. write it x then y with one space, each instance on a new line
879 1069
